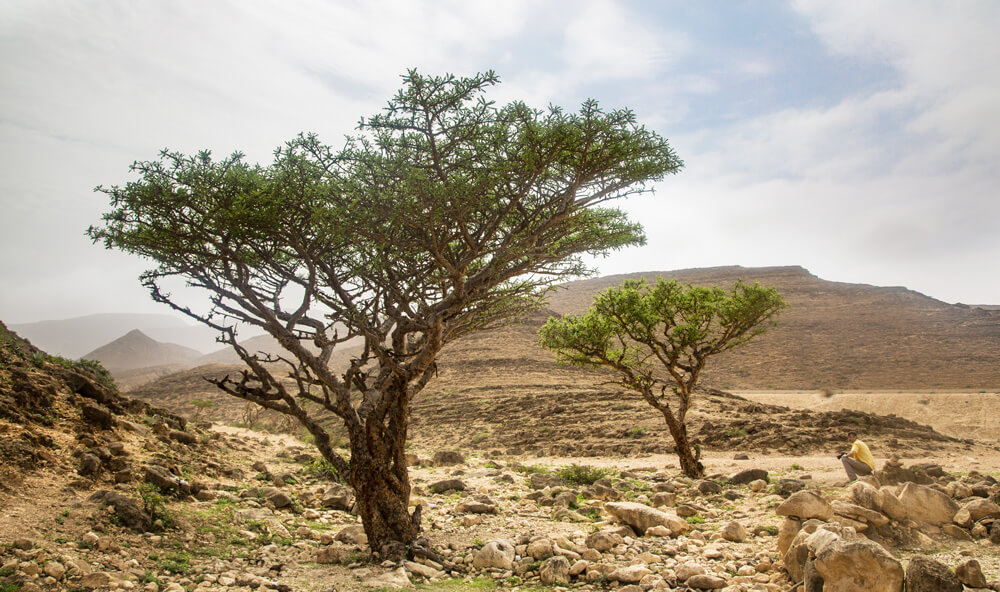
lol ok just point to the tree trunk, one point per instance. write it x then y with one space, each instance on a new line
383 507
690 464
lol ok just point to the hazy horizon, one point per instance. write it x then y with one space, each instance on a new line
849 139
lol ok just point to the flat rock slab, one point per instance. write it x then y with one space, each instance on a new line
643 517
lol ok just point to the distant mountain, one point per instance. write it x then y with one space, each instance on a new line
72 338
135 349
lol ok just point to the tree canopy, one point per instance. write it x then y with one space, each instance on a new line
445 214
659 338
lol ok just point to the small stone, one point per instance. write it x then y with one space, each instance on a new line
706 582
733 531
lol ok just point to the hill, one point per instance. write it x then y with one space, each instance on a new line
135 349
841 336
497 390
73 338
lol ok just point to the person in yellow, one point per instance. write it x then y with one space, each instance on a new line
859 461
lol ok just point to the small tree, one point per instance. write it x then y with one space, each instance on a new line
448 214
659 338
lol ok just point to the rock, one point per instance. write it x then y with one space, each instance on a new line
97 415
805 505
554 570
182 437
398 578
924 574
981 508
631 574
23 543
497 553
96 579
865 495
658 531
856 512
538 481
708 487
786 534
642 517
329 555
663 498
758 486
747 476
279 498
448 457
970 573
741 456
474 507
424 571
706 582
686 570
787 487
920 504
90 464
352 535
956 532
962 518
858 564
162 478
337 497
539 549
128 510
733 531
447 485
603 541
55 569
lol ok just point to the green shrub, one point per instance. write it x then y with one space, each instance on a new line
153 503
582 474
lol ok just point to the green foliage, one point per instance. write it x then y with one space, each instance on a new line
446 214
321 468
10 587
153 503
530 469
177 562
637 432
696 519
582 474
640 329
659 338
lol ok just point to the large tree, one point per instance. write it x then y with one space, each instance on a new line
658 339
445 214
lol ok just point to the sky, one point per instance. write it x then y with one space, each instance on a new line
856 139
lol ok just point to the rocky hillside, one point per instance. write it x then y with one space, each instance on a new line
841 336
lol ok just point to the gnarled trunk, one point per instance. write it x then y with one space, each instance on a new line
382 495
690 464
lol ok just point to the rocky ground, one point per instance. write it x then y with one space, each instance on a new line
100 493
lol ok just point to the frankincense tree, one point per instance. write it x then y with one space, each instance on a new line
658 339
446 214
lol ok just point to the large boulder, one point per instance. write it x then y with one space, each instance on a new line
924 574
806 504
970 573
642 517
980 508
865 495
859 513
920 504
858 565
